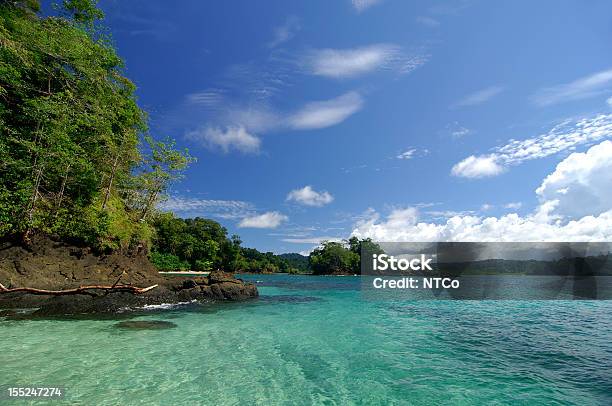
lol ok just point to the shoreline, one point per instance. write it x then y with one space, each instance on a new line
62 278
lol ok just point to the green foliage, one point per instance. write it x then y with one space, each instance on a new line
28 6
204 245
162 165
365 247
297 263
169 262
333 258
202 265
123 231
70 132
197 241
83 11
76 159
341 258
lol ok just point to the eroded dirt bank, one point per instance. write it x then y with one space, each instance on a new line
47 263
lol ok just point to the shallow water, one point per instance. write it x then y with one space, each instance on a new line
313 340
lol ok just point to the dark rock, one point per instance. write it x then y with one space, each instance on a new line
216 291
55 265
200 280
237 291
187 295
220 276
206 291
189 283
9 313
46 263
85 304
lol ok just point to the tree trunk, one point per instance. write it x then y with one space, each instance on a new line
110 182
150 201
34 198
62 188
37 174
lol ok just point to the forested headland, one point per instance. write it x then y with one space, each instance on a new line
75 153
78 162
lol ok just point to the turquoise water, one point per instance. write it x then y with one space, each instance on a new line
313 340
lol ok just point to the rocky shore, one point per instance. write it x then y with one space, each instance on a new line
50 264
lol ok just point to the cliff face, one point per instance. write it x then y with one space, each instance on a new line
49 264
46 263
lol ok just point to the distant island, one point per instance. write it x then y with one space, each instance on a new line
200 244
595 265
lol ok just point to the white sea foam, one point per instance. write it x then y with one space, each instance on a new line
167 305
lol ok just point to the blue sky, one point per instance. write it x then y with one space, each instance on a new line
392 119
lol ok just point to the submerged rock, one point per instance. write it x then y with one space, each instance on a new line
145 325
290 299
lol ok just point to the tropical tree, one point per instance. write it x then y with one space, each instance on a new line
75 156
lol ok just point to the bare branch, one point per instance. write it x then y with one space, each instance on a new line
81 289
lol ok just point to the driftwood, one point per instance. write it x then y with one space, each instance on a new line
81 289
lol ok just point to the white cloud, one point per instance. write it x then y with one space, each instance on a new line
361 5
406 64
233 137
428 21
561 137
609 101
310 197
346 63
339 63
479 97
311 240
271 219
323 114
444 214
582 183
208 98
513 205
313 115
459 131
565 136
408 154
563 213
245 122
486 207
285 32
226 209
402 226
307 252
582 88
257 80
255 119
477 167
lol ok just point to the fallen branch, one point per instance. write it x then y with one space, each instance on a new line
81 289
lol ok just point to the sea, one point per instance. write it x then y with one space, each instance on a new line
316 340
